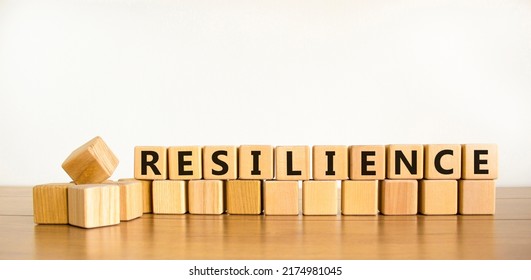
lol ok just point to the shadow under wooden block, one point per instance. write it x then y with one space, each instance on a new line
244 197
330 162
185 163
405 161
442 161
147 199
255 162
151 163
438 197
398 197
50 203
359 197
131 204
96 205
281 198
319 198
292 162
477 197
480 161
220 162
91 163
206 197
169 197
367 162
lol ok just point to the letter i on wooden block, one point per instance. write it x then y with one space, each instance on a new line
477 197
255 162
150 163
281 198
398 197
131 204
405 161
206 197
292 162
480 161
244 197
367 162
91 206
220 162
438 197
147 200
319 198
50 203
169 197
330 162
185 163
359 197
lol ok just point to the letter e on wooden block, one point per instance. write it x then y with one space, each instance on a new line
220 162
398 197
185 163
131 204
50 203
281 198
244 197
477 197
255 162
442 161
169 197
319 198
480 161
206 197
150 163
438 197
147 201
367 162
405 161
292 162
359 197
330 162
91 206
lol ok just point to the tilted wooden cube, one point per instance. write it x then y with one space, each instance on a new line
94 205
244 197
131 204
399 197
281 197
169 197
50 203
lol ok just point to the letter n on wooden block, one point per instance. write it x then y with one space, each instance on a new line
150 163
330 162
442 161
169 197
281 198
185 163
292 162
220 162
477 197
91 206
438 197
206 197
405 161
50 203
131 204
244 197
147 200
319 198
480 161
367 162
255 162
359 197
398 197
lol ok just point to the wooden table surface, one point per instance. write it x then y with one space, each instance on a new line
506 235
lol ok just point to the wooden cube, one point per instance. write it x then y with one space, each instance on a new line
405 161
255 162
398 197
50 203
292 162
169 197
131 204
359 197
367 162
438 197
151 163
480 161
330 162
442 161
95 205
477 197
244 197
185 163
93 162
319 198
206 197
220 162
281 198
147 200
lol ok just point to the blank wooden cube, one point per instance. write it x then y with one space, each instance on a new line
220 162
367 162
205 197
480 161
255 162
147 200
281 198
292 162
359 197
438 197
319 198
330 162
442 161
131 204
244 197
151 163
50 203
405 161
169 197
185 163
477 197
95 205
398 197
93 162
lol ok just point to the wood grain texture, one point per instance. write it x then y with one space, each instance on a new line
477 197
281 197
131 204
338 169
400 156
319 198
185 163
169 197
486 158
264 169
216 156
244 197
399 197
50 203
147 190
155 161
206 197
438 197
95 205
292 163
367 162
446 156
359 197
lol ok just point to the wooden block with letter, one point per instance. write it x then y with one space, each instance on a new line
169 197
367 162
438 197
151 163
281 198
50 203
220 162
480 161
185 163
94 205
147 200
405 161
442 161
131 204
359 197
255 162
292 162
330 162
244 197
398 197
477 197
206 197
93 162
319 198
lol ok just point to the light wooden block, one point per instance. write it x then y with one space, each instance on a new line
405 161
255 162
281 198
292 162
480 161
220 163
206 197
50 203
359 197
438 197
367 162
95 205
147 200
169 197
399 197
91 163
477 197
151 163
442 161
185 163
319 198
131 204
244 197
330 162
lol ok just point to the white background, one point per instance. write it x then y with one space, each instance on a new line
273 72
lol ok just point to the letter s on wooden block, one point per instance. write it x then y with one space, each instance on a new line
150 163
220 162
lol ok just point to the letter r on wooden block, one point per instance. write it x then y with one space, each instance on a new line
442 161
150 163
185 163
405 161
220 162
359 197
255 162
281 198
319 198
292 162
206 197
477 197
480 161
244 197
330 162
50 203
398 197
367 162
438 197
169 197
